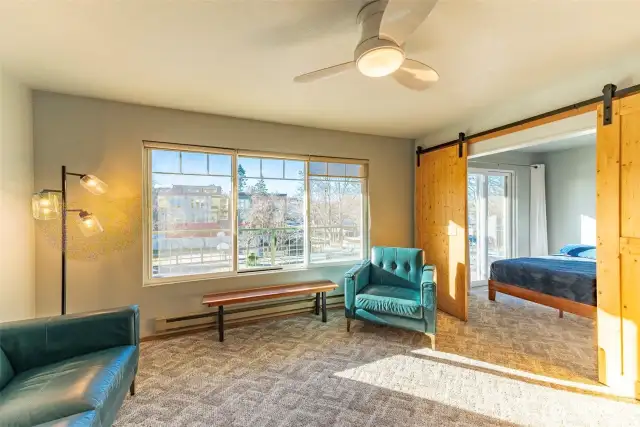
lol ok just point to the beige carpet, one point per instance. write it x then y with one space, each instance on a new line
513 363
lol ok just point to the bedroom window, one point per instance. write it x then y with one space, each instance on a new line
490 220
218 213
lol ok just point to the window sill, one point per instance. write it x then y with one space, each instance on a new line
233 275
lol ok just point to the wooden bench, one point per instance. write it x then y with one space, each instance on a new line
222 299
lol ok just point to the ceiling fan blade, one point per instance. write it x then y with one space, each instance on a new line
324 73
402 17
415 75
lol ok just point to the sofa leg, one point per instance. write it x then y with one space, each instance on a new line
132 388
432 340
348 325
560 314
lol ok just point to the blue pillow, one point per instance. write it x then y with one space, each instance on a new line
589 253
579 251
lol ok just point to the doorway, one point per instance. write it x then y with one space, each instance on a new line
490 211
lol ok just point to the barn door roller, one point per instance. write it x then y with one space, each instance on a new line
461 139
609 92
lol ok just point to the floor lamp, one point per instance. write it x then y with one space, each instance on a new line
52 204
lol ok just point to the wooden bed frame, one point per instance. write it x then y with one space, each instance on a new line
562 304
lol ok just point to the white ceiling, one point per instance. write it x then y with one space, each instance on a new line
588 140
238 58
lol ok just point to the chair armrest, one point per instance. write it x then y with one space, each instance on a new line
354 280
428 291
39 342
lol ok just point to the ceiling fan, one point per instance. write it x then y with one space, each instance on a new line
386 25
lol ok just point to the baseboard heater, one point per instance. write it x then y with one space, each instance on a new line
242 314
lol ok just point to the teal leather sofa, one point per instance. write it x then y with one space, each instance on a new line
72 370
393 288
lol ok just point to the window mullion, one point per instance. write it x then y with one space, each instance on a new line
234 212
307 216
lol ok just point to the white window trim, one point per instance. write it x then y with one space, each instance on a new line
150 281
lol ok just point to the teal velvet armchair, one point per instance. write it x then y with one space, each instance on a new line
393 288
68 371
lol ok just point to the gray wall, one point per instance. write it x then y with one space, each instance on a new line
571 196
17 262
522 189
105 138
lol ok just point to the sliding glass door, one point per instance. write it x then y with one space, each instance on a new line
490 220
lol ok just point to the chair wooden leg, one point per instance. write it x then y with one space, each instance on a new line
432 340
560 314
348 325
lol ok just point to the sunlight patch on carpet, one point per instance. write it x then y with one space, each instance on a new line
492 395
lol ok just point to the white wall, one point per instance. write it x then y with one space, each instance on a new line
522 177
105 138
571 196
17 262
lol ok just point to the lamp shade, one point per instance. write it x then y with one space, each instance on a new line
45 205
93 184
89 224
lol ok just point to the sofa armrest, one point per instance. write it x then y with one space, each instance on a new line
428 291
39 342
429 298
354 280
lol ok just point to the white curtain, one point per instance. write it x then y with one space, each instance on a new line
538 245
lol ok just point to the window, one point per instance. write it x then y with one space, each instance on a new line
490 213
271 209
216 212
336 211
188 235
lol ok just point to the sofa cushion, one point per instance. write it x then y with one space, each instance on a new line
84 419
394 300
96 381
6 370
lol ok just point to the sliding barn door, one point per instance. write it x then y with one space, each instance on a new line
618 254
441 223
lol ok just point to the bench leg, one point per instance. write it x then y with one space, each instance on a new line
220 323
317 303
324 307
132 388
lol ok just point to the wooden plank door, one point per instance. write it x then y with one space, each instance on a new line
618 253
441 224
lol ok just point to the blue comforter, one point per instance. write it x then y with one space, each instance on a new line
560 276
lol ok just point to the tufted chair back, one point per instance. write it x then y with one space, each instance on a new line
396 266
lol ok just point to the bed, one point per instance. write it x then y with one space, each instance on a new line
566 281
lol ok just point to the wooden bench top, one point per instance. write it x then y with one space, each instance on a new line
268 292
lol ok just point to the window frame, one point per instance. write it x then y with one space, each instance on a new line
147 222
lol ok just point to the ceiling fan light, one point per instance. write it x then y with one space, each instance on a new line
380 62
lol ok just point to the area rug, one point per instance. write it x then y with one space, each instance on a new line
511 364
